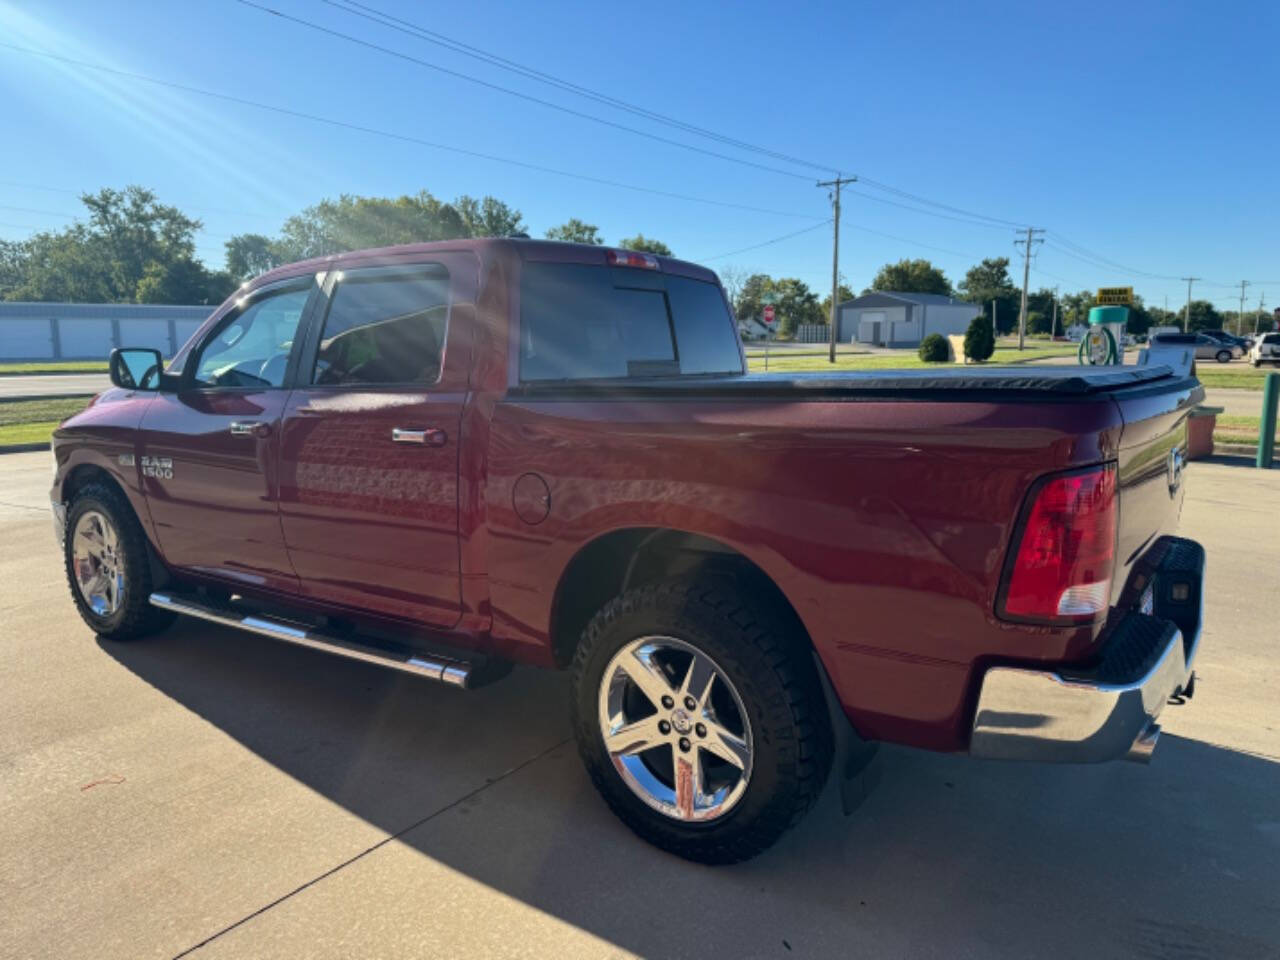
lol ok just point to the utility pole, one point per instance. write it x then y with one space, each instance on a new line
1186 317
1026 278
837 183
1257 317
1240 315
1053 328
994 326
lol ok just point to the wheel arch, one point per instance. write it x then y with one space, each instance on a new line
88 473
628 557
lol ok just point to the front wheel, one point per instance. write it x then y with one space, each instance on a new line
1224 356
700 720
107 566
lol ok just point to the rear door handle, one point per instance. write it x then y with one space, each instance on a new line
249 428
430 437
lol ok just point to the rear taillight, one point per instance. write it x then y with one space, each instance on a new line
629 258
1066 551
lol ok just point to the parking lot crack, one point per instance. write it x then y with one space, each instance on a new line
368 850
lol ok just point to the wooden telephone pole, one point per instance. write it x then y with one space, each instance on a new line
1026 277
837 183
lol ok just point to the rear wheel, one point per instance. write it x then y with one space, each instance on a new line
1224 356
108 569
701 722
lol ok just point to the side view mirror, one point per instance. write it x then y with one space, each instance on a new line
136 368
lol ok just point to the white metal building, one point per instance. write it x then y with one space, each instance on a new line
886 319
88 331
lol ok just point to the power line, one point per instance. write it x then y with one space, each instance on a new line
514 93
374 15
766 243
405 138
532 73
931 213
187 206
405 26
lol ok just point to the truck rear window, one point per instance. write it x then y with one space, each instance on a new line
580 322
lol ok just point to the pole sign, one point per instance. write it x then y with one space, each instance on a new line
768 314
1115 296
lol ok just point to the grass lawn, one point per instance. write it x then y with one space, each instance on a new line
55 366
1238 429
33 421
1235 376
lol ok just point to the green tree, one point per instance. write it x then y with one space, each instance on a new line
12 265
183 281
104 258
749 301
645 244
912 276
574 230
249 254
988 281
488 217
980 338
1076 307
1038 322
353 223
795 304
934 349
1204 316
846 293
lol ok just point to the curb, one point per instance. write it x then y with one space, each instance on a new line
23 447
28 397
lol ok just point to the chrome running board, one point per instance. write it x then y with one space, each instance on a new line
455 673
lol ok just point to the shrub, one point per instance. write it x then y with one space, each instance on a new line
933 349
979 339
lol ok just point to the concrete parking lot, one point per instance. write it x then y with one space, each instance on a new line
213 794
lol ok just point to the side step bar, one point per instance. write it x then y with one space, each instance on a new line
456 673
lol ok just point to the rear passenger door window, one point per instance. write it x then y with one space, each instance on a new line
384 327
583 322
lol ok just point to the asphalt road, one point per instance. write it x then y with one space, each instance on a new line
210 793
43 385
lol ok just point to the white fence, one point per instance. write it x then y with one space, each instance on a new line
89 331
813 333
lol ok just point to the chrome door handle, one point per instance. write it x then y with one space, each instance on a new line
431 437
248 428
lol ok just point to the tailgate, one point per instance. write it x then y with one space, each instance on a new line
1152 467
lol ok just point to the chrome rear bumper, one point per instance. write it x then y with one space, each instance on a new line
1108 709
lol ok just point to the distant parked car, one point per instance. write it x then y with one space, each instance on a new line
1206 348
1244 343
1266 350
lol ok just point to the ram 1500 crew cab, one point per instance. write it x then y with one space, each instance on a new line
449 457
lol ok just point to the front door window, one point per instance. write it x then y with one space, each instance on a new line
251 348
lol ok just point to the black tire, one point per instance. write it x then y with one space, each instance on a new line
774 675
135 616
1223 356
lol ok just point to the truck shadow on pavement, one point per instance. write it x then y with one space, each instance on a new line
949 856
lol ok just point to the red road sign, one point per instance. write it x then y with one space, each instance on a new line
768 314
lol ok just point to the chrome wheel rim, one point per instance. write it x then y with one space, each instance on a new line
97 564
675 729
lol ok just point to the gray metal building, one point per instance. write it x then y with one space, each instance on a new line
886 319
88 331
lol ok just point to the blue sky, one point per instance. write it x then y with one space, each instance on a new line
1145 133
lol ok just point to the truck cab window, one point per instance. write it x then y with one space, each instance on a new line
385 328
251 348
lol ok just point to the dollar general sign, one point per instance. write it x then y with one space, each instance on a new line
1122 296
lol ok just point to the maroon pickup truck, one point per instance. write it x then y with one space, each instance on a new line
451 457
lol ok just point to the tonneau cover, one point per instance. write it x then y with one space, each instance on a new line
1044 381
